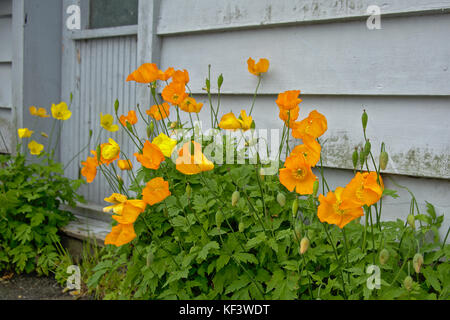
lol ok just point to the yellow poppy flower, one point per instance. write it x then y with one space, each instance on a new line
109 151
61 111
24 133
165 144
35 148
230 122
107 122
124 164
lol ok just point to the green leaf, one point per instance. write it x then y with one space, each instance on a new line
205 250
222 261
245 257
37 219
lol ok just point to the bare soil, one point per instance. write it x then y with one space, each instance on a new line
32 287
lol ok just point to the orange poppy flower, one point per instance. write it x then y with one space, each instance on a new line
125 211
130 118
146 73
288 100
190 164
313 126
331 210
155 191
230 122
297 174
190 105
89 170
151 156
124 164
175 93
310 151
289 115
159 112
181 76
120 235
256 69
41 112
165 75
363 189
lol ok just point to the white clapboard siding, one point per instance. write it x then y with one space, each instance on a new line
416 149
189 16
6 128
100 70
409 56
341 68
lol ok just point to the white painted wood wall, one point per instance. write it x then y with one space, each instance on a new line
399 74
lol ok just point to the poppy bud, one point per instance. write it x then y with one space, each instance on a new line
367 148
90 133
150 129
129 127
304 245
150 258
281 199
408 282
384 158
241 227
417 262
71 97
362 158
297 233
411 221
384 256
116 105
220 81
315 187
188 190
295 207
364 120
98 151
208 85
355 158
235 198
173 125
219 218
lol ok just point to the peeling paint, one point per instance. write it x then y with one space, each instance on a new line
421 162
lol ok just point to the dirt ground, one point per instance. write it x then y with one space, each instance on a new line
32 287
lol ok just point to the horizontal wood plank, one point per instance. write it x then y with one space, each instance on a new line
215 15
409 56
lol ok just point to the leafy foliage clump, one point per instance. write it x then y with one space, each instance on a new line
30 216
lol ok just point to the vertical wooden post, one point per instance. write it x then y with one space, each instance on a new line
149 44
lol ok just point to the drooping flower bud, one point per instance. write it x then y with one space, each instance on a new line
315 188
384 256
384 158
367 148
235 198
116 105
241 227
281 199
355 158
411 221
304 245
417 262
408 283
295 207
219 218
188 191
364 120
220 81
297 233
362 158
